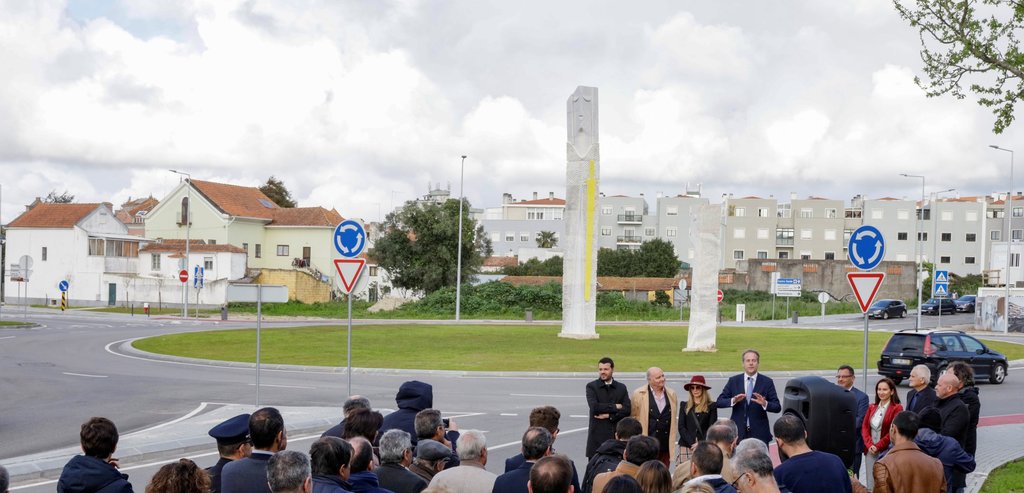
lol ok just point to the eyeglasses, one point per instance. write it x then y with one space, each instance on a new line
734 483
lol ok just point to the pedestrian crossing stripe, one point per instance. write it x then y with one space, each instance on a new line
941 290
941 276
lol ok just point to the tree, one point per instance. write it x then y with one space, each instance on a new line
547 239
958 43
276 191
534 267
657 258
419 244
53 198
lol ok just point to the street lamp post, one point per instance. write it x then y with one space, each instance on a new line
458 273
935 244
188 227
917 241
1007 210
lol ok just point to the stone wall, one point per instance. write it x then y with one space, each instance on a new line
301 285
820 275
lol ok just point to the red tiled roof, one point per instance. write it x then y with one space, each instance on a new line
548 201
306 216
604 283
53 216
888 198
128 210
501 262
236 200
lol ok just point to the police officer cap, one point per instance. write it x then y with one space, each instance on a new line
233 430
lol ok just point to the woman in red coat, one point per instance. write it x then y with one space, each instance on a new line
875 429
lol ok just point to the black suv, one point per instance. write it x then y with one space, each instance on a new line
931 307
907 349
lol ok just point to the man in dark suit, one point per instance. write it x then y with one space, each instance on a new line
546 417
920 395
536 444
751 397
232 444
846 378
608 401
249 475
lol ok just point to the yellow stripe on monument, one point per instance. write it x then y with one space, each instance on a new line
589 262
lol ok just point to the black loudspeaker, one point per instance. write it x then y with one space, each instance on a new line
828 412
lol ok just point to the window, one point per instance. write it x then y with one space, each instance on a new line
901 236
762 212
830 234
783 254
784 236
830 255
154 261
245 246
557 214
524 236
903 214
282 250
876 213
947 215
762 233
784 210
853 213
943 260
968 260
737 254
805 255
762 254
830 213
739 233
971 237
207 263
510 236
373 271
259 250
972 216
922 236
946 237
924 214
44 254
1018 211
606 210
847 233
1015 260
995 235
806 234
741 212
606 231
996 213
670 232
672 210
806 213
184 211
1015 234
650 231
119 248
211 242
95 246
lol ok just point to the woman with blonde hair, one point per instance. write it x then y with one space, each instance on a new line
698 414
654 477
183 476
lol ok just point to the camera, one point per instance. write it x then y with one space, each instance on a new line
445 421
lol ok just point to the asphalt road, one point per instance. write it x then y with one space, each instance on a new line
55 376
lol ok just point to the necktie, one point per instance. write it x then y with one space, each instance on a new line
910 407
750 394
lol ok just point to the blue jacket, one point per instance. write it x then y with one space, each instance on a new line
948 451
248 475
517 460
365 482
413 396
324 483
862 410
85 474
748 408
514 481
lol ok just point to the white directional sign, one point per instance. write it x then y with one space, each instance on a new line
788 287
866 248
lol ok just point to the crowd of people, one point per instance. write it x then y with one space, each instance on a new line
644 441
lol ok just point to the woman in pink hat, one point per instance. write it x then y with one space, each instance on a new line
699 413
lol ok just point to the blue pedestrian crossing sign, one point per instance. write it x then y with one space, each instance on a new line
940 284
349 238
866 248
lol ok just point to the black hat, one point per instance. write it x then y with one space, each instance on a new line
432 450
231 431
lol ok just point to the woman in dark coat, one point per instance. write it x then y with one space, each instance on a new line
698 414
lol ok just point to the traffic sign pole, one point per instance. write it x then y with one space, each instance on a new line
866 249
349 240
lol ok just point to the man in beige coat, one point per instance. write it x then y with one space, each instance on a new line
657 409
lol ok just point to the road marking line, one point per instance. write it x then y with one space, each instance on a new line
520 442
191 413
547 395
8 337
84 375
578 416
465 414
508 414
283 386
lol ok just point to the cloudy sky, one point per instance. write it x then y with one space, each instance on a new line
359 105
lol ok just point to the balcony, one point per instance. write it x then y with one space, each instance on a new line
784 241
120 265
631 219
629 240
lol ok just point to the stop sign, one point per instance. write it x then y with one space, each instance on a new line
183 276
721 295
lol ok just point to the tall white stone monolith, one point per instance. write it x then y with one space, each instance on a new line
582 175
706 236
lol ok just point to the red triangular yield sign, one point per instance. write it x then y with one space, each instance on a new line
865 286
349 269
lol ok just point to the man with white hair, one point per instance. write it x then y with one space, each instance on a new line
395 458
656 407
470 475
920 395
289 471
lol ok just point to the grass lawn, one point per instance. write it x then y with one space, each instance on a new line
11 322
529 347
1006 478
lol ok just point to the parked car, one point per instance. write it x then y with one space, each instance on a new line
887 308
966 303
937 349
931 307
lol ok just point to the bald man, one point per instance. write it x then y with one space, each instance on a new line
656 407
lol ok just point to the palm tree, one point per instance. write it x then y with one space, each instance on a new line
547 239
